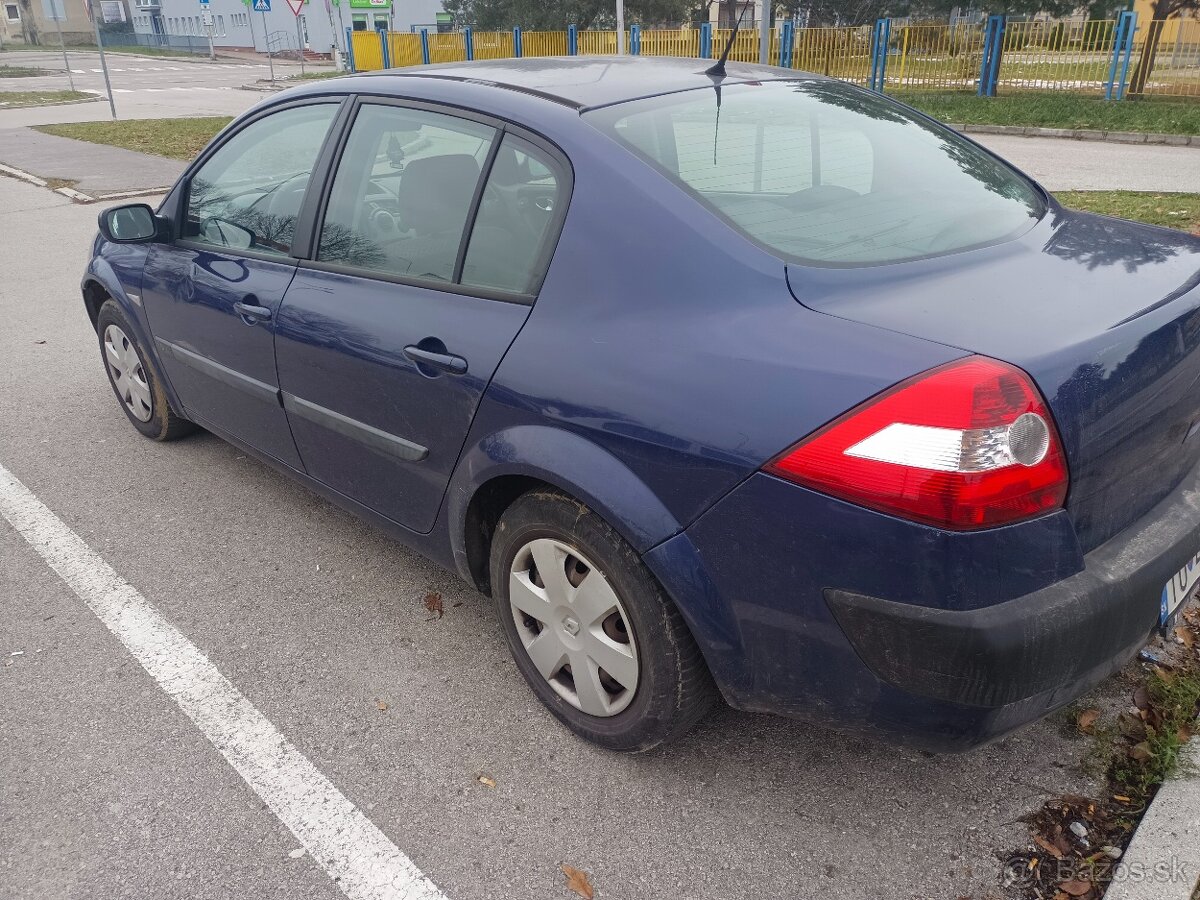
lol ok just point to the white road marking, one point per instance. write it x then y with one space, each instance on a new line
344 842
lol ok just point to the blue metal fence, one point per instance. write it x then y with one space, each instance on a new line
793 47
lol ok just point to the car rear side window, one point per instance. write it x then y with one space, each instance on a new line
825 173
403 192
508 244
248 194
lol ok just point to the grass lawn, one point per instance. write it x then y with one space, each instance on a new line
139 51
154 51
1059 110
21 72
14 99
314 76
176 138
1172 210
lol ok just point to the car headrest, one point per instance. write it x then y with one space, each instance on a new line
436 191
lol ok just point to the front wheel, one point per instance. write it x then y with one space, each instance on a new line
135 380
590 628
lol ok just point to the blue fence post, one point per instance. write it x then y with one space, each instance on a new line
350 49
1122 48
516 42
572 41
425 46
469 43
706 40
883 54
1124 74
387 57
635 40
880 38
989 70
874 65
786 36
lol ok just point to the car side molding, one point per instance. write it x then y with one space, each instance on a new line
375 438
213 369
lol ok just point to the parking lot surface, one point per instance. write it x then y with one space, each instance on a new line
109 789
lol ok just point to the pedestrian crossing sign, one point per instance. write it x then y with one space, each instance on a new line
262 5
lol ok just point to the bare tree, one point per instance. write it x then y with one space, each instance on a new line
1161 10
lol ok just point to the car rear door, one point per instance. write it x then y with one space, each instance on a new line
212 294
435 234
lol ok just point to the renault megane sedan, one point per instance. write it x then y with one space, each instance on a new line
751 385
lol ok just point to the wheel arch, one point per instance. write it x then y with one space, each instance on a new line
494 471
100 285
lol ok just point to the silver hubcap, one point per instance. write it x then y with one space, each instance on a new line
128 376
573 627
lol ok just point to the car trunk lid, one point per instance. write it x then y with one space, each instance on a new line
1103 314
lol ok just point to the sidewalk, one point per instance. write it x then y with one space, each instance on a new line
97 169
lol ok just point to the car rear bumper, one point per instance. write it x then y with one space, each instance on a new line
791 625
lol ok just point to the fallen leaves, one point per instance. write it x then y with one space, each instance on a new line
1086 722
433 603
381 706
1141 752
577 882
487 781
1074 837
1047 846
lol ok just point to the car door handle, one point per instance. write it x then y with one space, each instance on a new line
447 362
251 313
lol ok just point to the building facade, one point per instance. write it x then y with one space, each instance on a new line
38 22
320 27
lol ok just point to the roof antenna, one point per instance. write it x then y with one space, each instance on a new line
717 69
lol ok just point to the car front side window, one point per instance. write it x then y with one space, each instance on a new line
248 194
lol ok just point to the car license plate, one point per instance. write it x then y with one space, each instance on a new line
1177 589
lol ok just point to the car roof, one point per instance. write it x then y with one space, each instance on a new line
584 82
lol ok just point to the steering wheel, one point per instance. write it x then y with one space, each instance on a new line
286 199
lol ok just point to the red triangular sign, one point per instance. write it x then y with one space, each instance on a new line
296 6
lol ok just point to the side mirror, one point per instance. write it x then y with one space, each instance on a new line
134 223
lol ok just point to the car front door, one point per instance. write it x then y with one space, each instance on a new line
434 240
212 294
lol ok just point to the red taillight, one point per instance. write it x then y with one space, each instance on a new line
966 445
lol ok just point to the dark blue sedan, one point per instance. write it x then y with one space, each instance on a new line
753 385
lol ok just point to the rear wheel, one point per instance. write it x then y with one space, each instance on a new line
134 379
590 628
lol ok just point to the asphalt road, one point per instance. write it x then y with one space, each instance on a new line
143 87
108 790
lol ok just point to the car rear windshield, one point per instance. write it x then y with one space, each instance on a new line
825 173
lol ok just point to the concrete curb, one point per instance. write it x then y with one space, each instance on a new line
1162 862
71 193
265 87
1085 134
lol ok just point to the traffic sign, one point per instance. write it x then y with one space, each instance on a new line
296 6
263 6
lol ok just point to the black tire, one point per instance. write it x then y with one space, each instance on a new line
674 689
164 424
